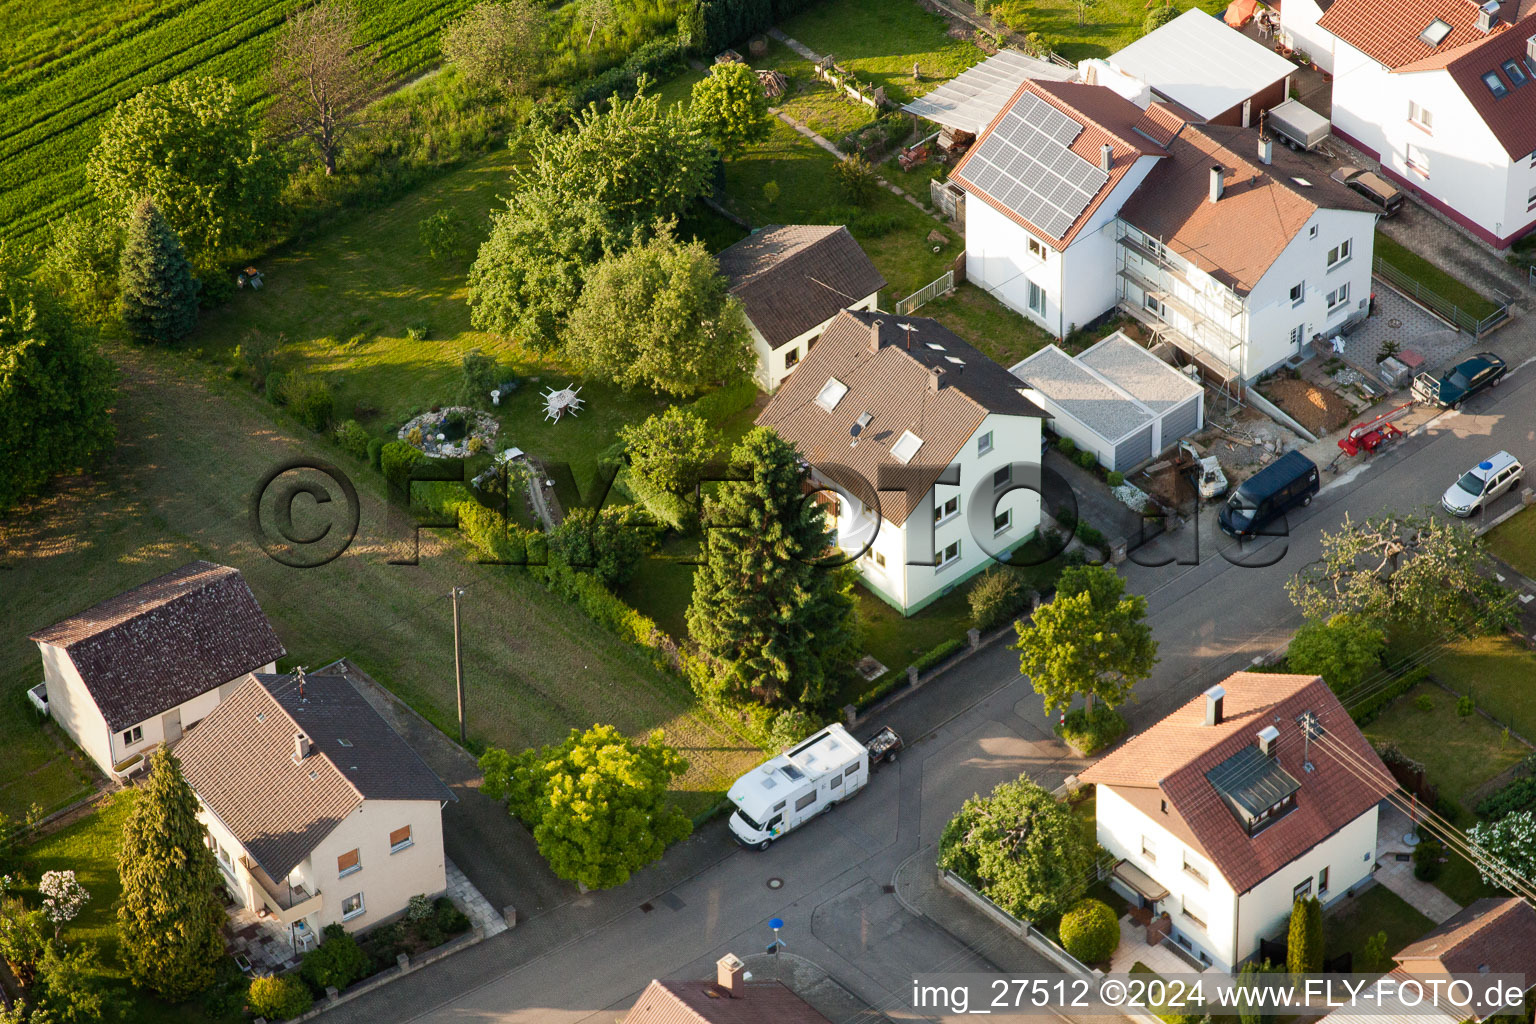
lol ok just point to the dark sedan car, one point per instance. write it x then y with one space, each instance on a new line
1464 380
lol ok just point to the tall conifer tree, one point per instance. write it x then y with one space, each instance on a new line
159 293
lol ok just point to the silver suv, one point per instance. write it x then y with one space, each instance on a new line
1483 483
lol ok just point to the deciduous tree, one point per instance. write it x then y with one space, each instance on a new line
1092 639
1022 847
169 918
63 898
1511 844
71 989
155 284
192 146
83 256
596 804
609 542
730 106
56 390
659 315
497 44
322 78
667 456
770 611
1344 650
1428 575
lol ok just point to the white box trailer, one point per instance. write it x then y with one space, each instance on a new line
786 791
1297 125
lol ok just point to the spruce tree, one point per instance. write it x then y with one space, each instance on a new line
159 293
169 919
777 620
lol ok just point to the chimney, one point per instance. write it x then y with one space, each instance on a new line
1213 702
1266 151
935 378
300 746
1487 16
1267 737
1106 157
1218 176
1530 49
729 975
874 335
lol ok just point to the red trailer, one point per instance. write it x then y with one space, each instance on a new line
1376 433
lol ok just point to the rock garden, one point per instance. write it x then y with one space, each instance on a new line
450 433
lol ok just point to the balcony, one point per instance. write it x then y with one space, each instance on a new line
287 902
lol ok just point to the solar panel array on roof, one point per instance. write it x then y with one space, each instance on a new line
1024 163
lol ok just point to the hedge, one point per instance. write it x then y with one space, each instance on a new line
352 437
717 405
395 461
658 59
1366 710
939 653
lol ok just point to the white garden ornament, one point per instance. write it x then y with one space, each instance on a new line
558 403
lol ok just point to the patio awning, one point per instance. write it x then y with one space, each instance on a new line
1139 880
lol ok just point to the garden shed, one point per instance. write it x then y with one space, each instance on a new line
1116 400
975 97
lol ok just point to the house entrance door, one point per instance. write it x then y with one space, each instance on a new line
172 724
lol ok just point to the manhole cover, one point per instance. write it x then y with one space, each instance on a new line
1394 322
775 883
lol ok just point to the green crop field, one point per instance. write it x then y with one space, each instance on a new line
70 63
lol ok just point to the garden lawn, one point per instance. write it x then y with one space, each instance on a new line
1514 540
1499 673
880 40
1001 334
1354 919
1431 276
1110 25
896 641
1459 754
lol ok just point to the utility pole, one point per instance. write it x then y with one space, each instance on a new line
458 661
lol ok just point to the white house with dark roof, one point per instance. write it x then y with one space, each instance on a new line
317 810
140 668
928 451
792 279
1220 816
1443 94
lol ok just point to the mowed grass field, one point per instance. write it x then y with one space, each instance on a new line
69 63
192 447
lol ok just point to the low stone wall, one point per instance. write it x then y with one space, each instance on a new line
404 965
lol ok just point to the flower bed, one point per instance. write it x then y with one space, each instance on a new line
450 433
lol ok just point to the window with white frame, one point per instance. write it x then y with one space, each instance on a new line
132 736
1302 891
877 558
1037 248
1339 254
400 838
1193 912
1297 333
1148 849
1312 231
347 863
948 556
1417 159
1530 200
1002 522
1338 297
984 443
1421 116
947 510
352 906
1298 293
1036 299
1191 868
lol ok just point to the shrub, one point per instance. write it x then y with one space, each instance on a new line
1090 931
489 533
855 179
275 387
1158 17
1091 732
352 437
610 541
1426 860
1366 710
418 908
310 401
1086 458
444 235
939 653
395 462
418 332
1465 706
1424 702
1090 535
375 450
1114 478
996 597
278 998
1066 446
770 192
336 963
1304 940
722 403
481 374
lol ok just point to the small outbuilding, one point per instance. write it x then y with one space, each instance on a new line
1215 72
1117 399
971 100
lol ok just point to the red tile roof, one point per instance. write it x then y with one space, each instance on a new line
1511 118
1106 117
1169 761
162 643
1495 934
1388 30
791 277
703 1002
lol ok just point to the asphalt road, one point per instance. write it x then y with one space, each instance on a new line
979 725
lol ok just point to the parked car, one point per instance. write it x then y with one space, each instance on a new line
1374 187
1464 380
1478 486
1289 481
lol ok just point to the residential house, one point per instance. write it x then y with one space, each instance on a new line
1441 93
1220 816
732 998
1492 935
792 279
316 809
138 669
928 452
1087 201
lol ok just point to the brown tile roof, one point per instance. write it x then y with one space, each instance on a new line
1161 123
239 760
1496 933
702 1002
1388 30
1512 118
892 385
791 277
1173 203
153 647
1107 119
1169 761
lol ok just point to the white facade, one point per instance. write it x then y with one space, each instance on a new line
965 519
774 364
317 893
71 705
1299 31
1209 918
1423 129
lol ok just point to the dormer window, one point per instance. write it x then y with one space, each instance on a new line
1435 34
906 447
1495 84
831 393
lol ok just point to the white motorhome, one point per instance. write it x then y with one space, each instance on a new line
786 791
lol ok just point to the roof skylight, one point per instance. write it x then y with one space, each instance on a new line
1512 71
1495 84
1435 34
831 393
906 446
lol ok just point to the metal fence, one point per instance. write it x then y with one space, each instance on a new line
938 286
1438 303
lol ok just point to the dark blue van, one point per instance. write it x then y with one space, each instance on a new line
1289 481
